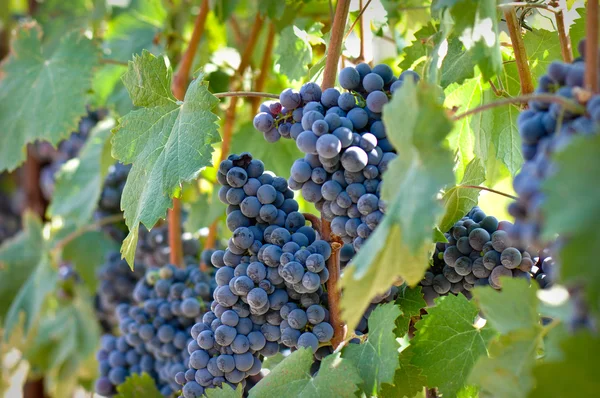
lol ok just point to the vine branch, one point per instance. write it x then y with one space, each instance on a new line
251 94
334 49
179 86
314 220
563 37
591 46
489 190
566 104
516 38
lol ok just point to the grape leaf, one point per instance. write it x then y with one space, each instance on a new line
293 53
447 344
513 308
577 30
88 252
19 257
337 377
408 380
410 300
578 367
542 49
497 134
508 371
417 126
79 182
226 391
575 224
417 52
477 27
168 142
377 358
458 201
57 83
137 386
458 64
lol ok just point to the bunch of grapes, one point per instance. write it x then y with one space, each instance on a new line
269 280
345 144
10 217
52 159
154 251
109 203
479 252
167 302
546 128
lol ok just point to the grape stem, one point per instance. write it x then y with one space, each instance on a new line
568 105
563 37
591 46
247 94
334 49
516 39
107 61
489 190
179 85
358 20
314 220
86 228
228 125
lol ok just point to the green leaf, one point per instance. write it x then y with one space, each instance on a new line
458 64
37 83
476 24
577 29
578 367
542 47
377 358
225 392
204 211
417 52
447 344
88 252
507 372
293 53
79 182
408 380
417 125
410 300
291 378
278 158
513 308
19 257
575 224
168 142
497 134
138 386
457 200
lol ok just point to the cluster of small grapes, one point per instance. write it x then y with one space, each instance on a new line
52 159
269 282
167 302
546 128
10 217
479 252
345 144
109 203
154 251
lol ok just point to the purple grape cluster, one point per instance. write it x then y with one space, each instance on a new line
345 144
478 253
109 203
167 302
270 282
154 251
546 128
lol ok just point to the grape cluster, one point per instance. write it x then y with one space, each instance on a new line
479 252
109 203
167 302
345 144
52 159
116 282
546 128
10 217
153 246
269 280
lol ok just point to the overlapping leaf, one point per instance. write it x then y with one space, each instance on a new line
293 53
56 82
168 142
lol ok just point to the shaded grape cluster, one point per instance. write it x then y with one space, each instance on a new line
479 252
154 251
270 282
10 217
345 144
167 302
109 203
546 128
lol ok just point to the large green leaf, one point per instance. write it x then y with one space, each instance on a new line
168 142
226 391
476 24
42 92
293 53
575 375
337 377
410 300
19 257
377 358
513 308
457 200
542 47
575 224
417 125
137 386
458 64
79 182
447 343
408 380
